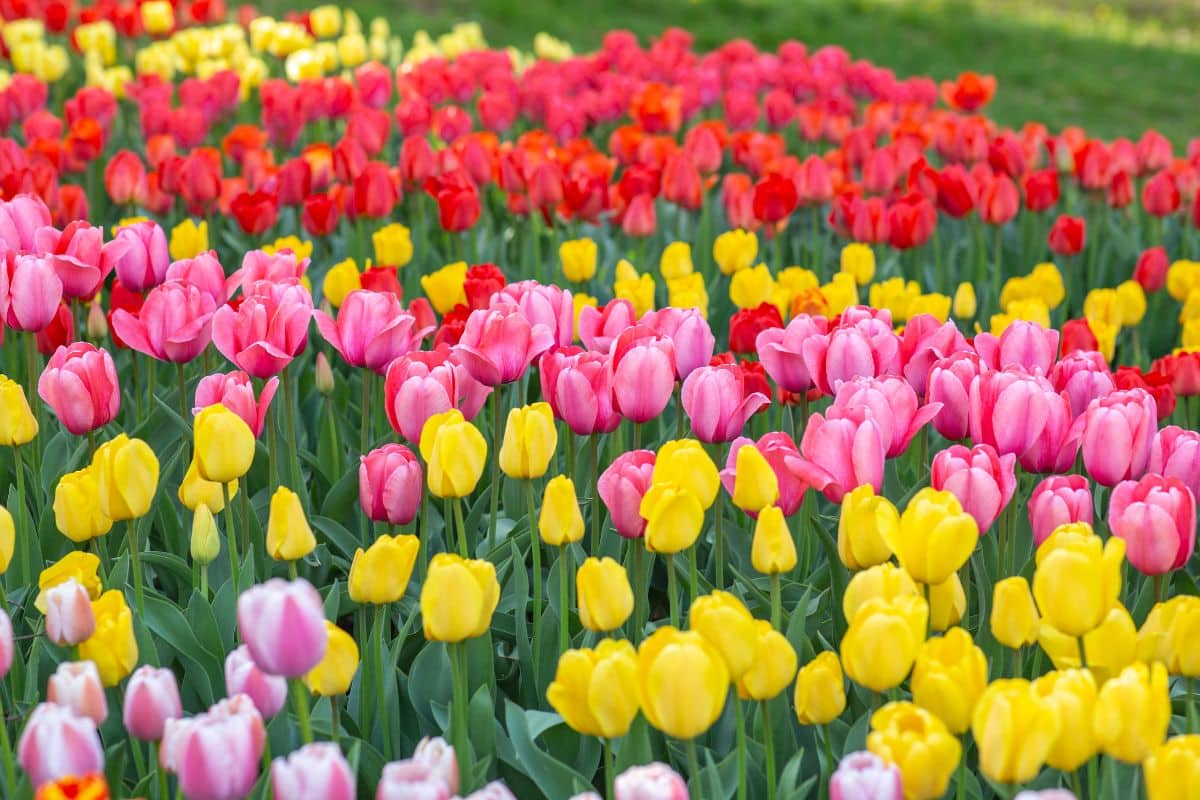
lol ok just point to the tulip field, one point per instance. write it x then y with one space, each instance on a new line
410 417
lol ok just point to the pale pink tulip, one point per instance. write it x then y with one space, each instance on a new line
151 698
76 685
372 329
80 385
58 743
283 626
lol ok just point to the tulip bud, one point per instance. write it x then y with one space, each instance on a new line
1015 728
595 690
529 440
289 536
69 618
341 279
455 453
735 250
283 626
323 375
333 675
864 774
393 245
578 258
947 604
1077 578
820 695
858 260
1014 619
380 574
949 676
316 771
1172 771
97 323
224 444
128 477
458 598
18 426
56 743
773 667
918 743
76 685
773 551
8 539
151 698
901 622
964 301
560 521
205 543
755 485
696 671
603 593
866 524
268 693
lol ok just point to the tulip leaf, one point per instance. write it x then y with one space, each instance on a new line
339 538
339 502
554 778
201 667
518 589
429 682
481 715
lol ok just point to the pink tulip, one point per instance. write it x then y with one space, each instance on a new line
691 336
1009 409
30 293
20 220
1059 500
495 790
621 487
982 480
283 626
216 754
235 391
151 698
6 644
1117 433
499 343
436 754
76 685
423 383
924 343
949 383
1175 453
371 330
840 454
578 386
389 484
78 256
174 324
892 402
717 404
650 782
58 743
243 677
643 364
865 776
549 306
69 617
410 780
1055 448
1023 344
598 327
80 385
1083 376
781 351
1156 517
204 271
266 331
258 265
140 255
867 347
316 771
1045 794
776 448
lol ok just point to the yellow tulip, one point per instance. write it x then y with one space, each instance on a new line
1131 298
1014 620
341 279
393 247
896 295
858 261
676 261
158 17
595 690
935 536
625 271
224 444
1073 693
8 539
189 239
727 624
866 524
335 671
772 551
325 21
1077 578
685 462
352 49
578 258
289 536
688 292
882 581
1182 634
112 646
128 476
380 574
458 598
77 513
964 301
735 250
444 287
205 543
797 279
83 567
1106 337
529 441
560 522
820 695
1015 728
881 643
1102 305
455 453
195 491
1133 712
932 303
18 426
603 593
947 603
773 667
840 293
674 518
755 485
948 678
639 291
750 288
1047 283
918 744
1182 278
1172 771
1110 647
302 248
682 682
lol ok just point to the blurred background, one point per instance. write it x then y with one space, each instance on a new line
1115 68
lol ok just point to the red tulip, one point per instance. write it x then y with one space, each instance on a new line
125 178
1151 269
1041 189
320 216
747 324
1068 235
775 198
969 92
1160 195
255 212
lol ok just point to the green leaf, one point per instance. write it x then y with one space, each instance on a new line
203 670
340 539
429 682
554 778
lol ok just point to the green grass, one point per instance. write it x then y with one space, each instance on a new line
1131 66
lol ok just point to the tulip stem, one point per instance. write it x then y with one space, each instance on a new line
10 772
135 563
672 590
27 541
163 791
380 678
494 488
564 599
289 399
458 713
272 453
463 548
364 440
300 698
694 768
137 387
961 790
740 714
610 768
693 580
1191 705
535 550
769 747
776 602
235 564
639 595
830 762
183 409
594 445
204 581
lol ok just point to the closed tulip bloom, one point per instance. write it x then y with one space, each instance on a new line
421 384
781 351
867 347
455 454
603 593
76 685
235 391
1015 728
380 574
1023 344
389 484
755 486
1172 771
69 617
947 604
8 539
499 343
724 621
1083 376
1110 647
458 598
216 755
682 682
77 513
772 551
773 667
316 771
982 480
820 695
881 643
408 778
578 258
654 781
948 678
644 370
341 279
1077 579
865 776
371 330
223 443
80 385
529 441
289 536
6 644
194 491
112 647
333 675
935 536
578 388
128 477
57 743
892 403
1059 500
1156 517
916 742
18 426
151 698
1073 693
949 382
599 327
674 517
267 329
883 581
283 625
1133 712
735 250
32 293
173 324
1175 453
595 690
559 521
621 487
242 676
78 565
839 454
1009 409
866 524
1118 431
1014 620
685 462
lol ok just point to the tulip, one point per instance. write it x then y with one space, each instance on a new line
1073 693
918 744
881 643
772 551
235 391
1014 619
405 779
982 481
603 593
1175 453
820 695
499 343
655 781
267 330
595 690
76 685
6 644
1110 647
80 385
735 250
1172 771
314 772
1118 431
726 623
1133 713
685 462
949 383
1077 579
1015 727
529 441
1009 409
673 517
865 348
690 336
579 389
884 581
216 754
389 484
621 487
32 293
371 330
865 526
948 678
283 625
755 485
1059 500
1156 517
1068 235
393 245
173 324
203 271
57 743
893 405
644 369
935 536
1083 376
1023 344
112 647
840 453
242 676
682 682
69 617
151 698
223 443
773 667
419 385
380 574
458 598
560 522
578 258
127 471
77 513
76 255
194 491
781 351
83 567
333 675
865 775
289 536
455 454
18 426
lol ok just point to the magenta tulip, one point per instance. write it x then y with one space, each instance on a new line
690 334
643 365
242 676
840 454
6 644
423 383
547 306
1175 453
76 685
867 347
949 383
1023 344
140 255
982 480
781 351
283 626
235 391
174 324
621 487
1117 432
69 617
282 266
80 385
204 271
865 776
58 743
30 293
266 331
151 698
389 484
1059 500
598 327
1083 376
372 329
1055 448
716 402
924 343
578 387
892 402
499 343
78 255
1009 409
316 771
1156 517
